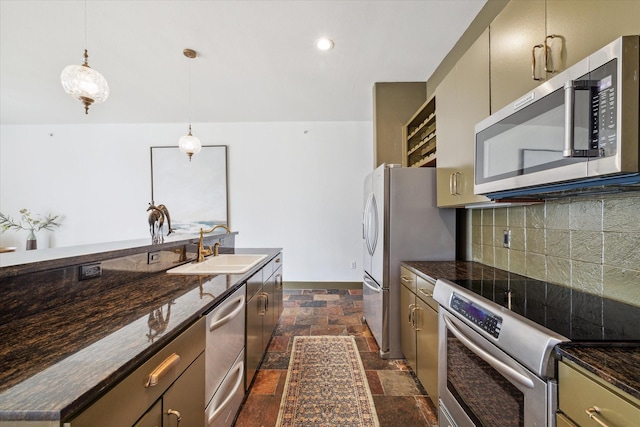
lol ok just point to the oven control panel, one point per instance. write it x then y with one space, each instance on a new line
477 315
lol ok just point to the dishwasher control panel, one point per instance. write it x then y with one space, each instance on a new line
479 316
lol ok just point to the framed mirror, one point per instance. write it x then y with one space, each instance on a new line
195 193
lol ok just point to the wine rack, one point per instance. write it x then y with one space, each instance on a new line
420 137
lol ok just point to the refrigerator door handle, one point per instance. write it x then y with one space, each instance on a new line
370 213
374 229
365 223
369 284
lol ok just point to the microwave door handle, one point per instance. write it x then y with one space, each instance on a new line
498 365
569 100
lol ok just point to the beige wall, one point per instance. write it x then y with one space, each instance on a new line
588 243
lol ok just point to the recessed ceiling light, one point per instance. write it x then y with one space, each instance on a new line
325 44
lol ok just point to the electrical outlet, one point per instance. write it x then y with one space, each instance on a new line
353 265
89 271
506 239
153 257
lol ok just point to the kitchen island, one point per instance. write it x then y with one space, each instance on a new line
66 341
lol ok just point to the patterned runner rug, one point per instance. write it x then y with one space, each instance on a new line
326 385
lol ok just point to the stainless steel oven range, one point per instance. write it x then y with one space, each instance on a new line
496 362
495 367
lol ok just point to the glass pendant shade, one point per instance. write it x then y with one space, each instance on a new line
85 84
189 144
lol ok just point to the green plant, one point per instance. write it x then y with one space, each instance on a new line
28 222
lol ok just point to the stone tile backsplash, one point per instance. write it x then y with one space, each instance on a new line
588 243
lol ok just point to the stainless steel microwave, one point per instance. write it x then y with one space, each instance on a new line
577 130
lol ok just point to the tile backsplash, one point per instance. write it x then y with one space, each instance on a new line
588 243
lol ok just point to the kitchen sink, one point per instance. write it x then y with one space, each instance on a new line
221 264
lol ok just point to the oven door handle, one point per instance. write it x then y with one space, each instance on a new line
504 369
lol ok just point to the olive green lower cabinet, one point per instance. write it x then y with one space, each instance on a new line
165 390
419 329
264 306
586 400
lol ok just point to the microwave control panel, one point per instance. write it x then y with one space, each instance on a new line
604 108
479 316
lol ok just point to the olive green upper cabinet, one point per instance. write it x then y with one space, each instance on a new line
514 34
463 101
588 25
533 40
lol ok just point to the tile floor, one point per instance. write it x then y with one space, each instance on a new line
399 398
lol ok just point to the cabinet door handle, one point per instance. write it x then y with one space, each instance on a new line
416 319
162 369
410 317
455 183
405 279
593 412
451 185
177 414
279 281
262 306
533 62
547 69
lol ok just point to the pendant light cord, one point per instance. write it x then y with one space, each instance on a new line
86 37
189 80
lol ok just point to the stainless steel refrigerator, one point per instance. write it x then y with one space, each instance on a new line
400 222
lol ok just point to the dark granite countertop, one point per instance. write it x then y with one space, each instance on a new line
55 361
455 270
616 362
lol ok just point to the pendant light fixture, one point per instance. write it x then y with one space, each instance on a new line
83 82
189 144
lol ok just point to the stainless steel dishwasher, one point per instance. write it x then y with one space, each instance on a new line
224 365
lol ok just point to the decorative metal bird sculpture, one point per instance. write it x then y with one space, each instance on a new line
157 217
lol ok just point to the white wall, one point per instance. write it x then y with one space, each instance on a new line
293 185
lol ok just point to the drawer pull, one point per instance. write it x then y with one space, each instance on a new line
216 409
217 323
161 370
405 279
425 293
593 412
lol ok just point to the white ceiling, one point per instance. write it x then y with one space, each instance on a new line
257 59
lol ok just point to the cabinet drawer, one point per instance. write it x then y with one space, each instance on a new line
425 292
271 267
225 339
408 279
579 390
562 421
131 397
